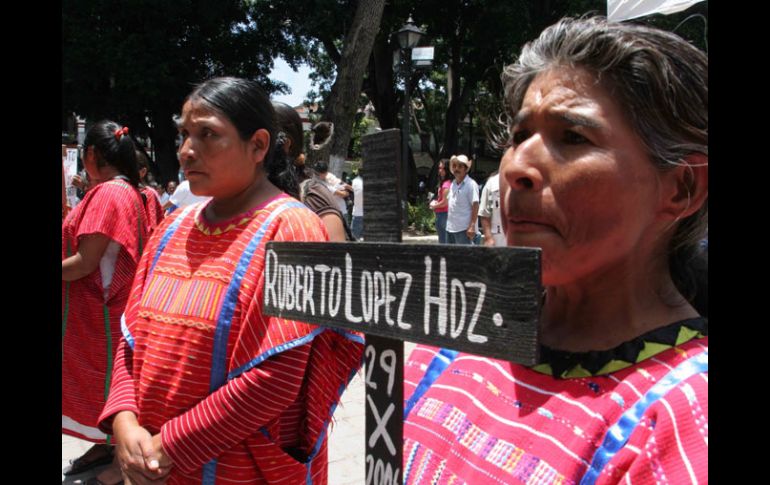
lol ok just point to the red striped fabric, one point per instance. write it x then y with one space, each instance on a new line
152 208
89 334
486 420
165 378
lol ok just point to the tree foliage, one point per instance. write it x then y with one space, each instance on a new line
134 61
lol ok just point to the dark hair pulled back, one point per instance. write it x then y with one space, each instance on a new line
114 147
247 106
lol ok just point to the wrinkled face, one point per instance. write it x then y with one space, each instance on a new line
216 161
577 181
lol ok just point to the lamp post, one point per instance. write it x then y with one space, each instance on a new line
408 37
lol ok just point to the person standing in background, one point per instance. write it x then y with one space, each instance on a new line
358 205
167 191
182 197
461 226
440 205
102 241
339 188
151 200
489 212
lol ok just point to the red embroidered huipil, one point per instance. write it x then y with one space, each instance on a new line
238 397
153 208
485 420
91 316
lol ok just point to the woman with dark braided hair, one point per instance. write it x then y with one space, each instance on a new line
206 388
102 239
606 170
311 190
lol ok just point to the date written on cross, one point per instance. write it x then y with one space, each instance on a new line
480 300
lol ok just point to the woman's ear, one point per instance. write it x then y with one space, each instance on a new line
259 144
686 186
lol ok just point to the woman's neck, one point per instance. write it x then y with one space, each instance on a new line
224 208
604 310
107 172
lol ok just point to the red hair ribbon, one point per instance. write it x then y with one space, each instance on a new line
121 131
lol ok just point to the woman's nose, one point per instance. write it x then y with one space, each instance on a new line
185 151
522 167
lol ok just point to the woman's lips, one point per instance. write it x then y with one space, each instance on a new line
520 225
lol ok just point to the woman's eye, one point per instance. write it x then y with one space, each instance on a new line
572 138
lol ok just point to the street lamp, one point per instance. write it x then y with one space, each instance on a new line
408 37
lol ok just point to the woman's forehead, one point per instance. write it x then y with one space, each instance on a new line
194 111
564 86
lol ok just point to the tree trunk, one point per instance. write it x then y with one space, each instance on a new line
454 88
346 90
379 84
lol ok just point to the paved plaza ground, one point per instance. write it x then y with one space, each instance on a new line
346 439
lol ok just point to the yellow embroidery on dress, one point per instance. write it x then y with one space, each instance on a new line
493 389
176 320
650 349
216 275
218 231
544 368
613 366
686 334
577 371
173 271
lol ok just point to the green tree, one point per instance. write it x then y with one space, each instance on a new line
135 61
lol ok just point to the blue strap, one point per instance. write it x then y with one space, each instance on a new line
171 209
126 332
209 473
440 362
617 436
224 320
170 230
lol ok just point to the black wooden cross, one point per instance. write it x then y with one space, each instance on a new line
480 300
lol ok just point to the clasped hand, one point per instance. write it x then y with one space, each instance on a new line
140 454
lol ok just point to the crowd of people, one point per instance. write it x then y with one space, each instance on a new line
471 213
173 371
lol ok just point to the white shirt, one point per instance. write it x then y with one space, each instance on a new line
461 199
333 188
489 206
358 197
183 196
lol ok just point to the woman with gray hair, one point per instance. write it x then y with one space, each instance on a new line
607 172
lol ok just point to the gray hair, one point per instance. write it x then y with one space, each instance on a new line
660 80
